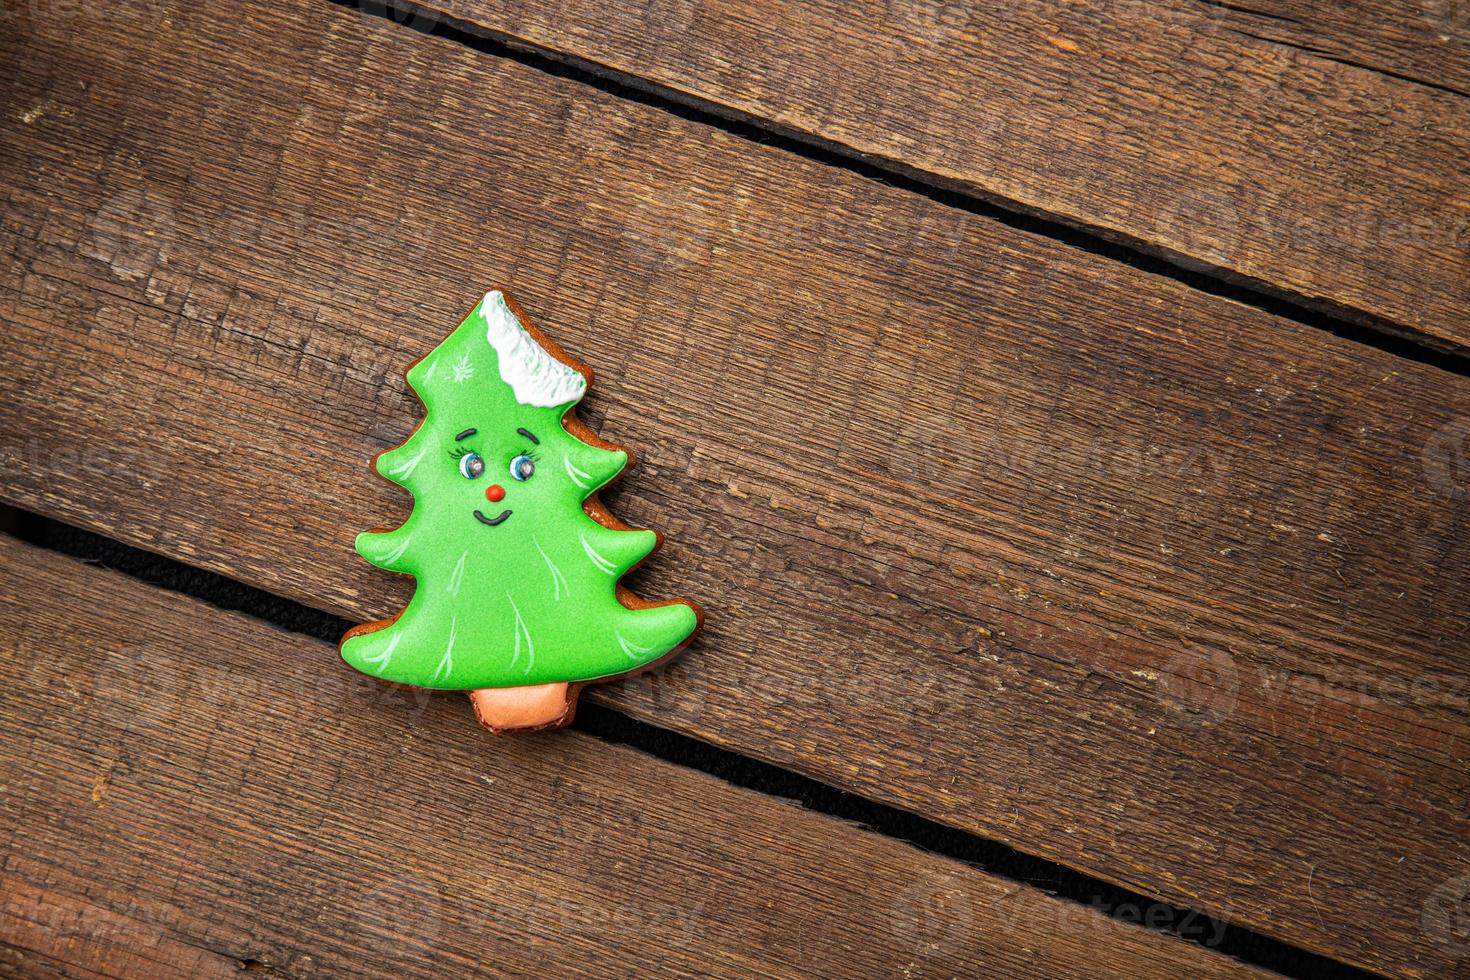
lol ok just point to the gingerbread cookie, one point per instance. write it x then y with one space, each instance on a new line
516 562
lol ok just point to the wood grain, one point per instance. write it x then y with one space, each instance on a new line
190 792
1427 41
1121 574
1165 122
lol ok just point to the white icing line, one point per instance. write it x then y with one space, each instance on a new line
520 630
406 469
557 579
398 551
603 565
577 475
458 575
515 631
632 650
446 663
535 376
381 660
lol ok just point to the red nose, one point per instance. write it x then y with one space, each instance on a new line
495 493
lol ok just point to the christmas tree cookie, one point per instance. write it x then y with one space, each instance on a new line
515 560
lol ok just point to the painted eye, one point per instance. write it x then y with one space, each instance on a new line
522 467
471 466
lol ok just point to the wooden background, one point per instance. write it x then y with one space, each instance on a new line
1060 410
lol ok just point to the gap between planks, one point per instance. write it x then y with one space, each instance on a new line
743 772
1320 311
185 813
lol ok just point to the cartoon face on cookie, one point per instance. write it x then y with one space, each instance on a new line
506 475
472 467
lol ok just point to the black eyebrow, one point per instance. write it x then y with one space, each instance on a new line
527 434
465 434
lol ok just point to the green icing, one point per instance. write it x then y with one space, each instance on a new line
532 599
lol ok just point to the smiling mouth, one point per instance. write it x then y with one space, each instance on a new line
491 521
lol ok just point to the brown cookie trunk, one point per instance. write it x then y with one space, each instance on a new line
521 709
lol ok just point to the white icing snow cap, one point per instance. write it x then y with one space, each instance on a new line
535 376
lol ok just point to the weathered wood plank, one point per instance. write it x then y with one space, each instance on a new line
1124 575
1156 120
1422 40
189 793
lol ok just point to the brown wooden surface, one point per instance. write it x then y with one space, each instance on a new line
1156 120
1136 579
188 792
1427 41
